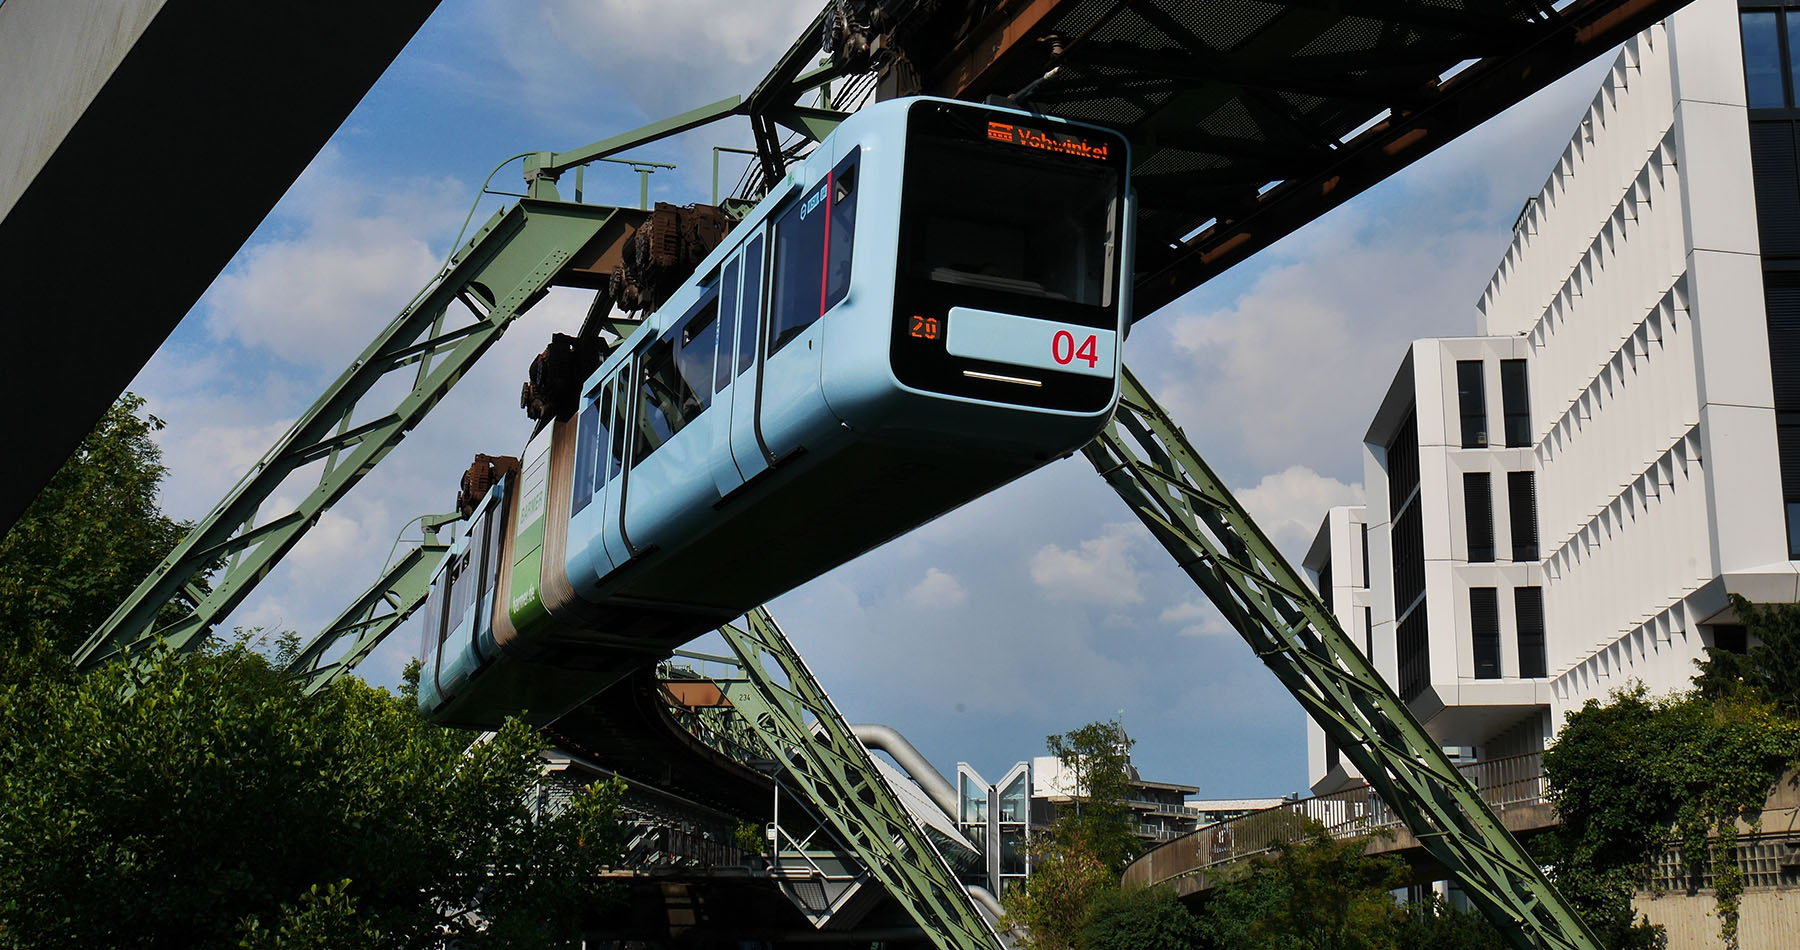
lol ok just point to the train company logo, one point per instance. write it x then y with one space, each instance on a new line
1055 142
812 200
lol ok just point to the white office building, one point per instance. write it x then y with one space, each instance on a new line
1560 503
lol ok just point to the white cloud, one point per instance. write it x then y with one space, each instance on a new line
355 254
660 56
1195 619
1290 504
937 591
1102 571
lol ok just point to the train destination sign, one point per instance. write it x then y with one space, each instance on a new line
1056 143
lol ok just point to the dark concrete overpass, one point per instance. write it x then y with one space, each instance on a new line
144 140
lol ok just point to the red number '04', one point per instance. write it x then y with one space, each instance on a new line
1064 351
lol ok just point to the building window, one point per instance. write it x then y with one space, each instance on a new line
1528 615
1414 653
1412 642
1478 515
1369 633
1790 434
1731 638
1484 627
1365 555
1521 497
1325 588
1515 403
1766 79
1473 402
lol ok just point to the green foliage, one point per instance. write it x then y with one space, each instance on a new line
1432 924
1097 758
202 801
1630 775
1315 893
1770 671
1081 853
89 536
1067 875
750 838
325 919
1139 919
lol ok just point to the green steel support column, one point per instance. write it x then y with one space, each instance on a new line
1149 462
375 614
832 770
499 274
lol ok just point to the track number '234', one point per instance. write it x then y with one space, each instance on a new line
1064 350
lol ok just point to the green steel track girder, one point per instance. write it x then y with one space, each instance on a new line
833 771
500 273
1148 461
371 617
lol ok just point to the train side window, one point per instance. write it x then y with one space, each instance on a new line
697 341
797 286
589 435
752 306
433 633
813 241
608 424
666 403
622 385
840 236
462 590
487 537
727 322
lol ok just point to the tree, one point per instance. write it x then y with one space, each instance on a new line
1770 670
1097 759
1631 775
1082 852
1337 897
1067 874
1139 919
1432 924
89 536
202 801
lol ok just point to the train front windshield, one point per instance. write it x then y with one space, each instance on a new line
1013 217
1018 226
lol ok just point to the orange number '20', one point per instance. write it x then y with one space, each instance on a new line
925 328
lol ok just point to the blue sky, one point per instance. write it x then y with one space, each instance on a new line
1036 609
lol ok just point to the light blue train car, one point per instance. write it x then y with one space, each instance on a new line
931 305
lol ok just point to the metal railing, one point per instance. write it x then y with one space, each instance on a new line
1506 782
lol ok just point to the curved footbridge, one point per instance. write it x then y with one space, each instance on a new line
1513 786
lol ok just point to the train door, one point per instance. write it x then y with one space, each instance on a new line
617 392
599 432
809 274
749 451
724 470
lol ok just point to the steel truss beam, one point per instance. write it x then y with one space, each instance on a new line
370 618
794 718
1145 457
499 274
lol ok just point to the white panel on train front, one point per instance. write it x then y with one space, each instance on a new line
1028 341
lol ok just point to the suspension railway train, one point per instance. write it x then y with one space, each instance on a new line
929 306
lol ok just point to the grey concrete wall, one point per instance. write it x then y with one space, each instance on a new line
55 55
1767 919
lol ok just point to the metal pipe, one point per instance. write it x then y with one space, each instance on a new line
887 739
